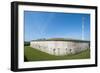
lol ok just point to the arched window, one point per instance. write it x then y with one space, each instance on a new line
70 50
54 50
66 50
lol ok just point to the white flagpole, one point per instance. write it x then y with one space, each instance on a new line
82 28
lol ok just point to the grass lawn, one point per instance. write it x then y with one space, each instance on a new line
31 54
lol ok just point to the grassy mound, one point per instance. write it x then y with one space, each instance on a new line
31 54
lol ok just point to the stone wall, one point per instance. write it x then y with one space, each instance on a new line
60 47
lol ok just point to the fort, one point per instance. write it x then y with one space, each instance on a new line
60 47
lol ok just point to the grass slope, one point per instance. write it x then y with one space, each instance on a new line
31 54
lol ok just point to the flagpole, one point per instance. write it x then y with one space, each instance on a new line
82 28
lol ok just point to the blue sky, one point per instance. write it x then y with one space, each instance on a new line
55 25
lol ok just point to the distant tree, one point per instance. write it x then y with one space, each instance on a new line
26 43
41 39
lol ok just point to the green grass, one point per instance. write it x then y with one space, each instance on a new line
31 54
